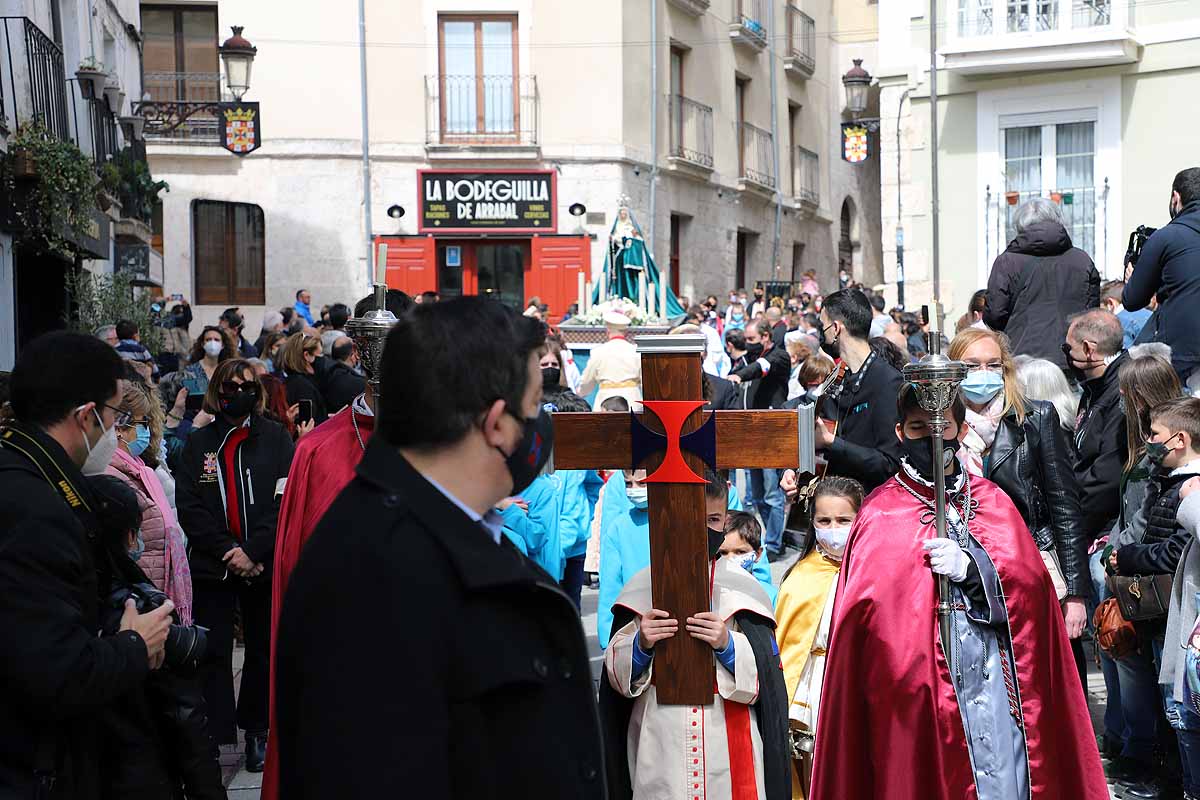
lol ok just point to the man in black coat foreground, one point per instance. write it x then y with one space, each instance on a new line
416 645
1093 351
57 677
1039 282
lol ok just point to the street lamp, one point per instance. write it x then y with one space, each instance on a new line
857 81
237 54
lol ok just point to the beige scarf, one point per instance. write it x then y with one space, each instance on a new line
981 432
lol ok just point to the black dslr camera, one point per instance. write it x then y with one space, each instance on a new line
185 643
1137 240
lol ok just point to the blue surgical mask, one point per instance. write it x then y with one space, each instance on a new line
270 366
139 445
982 385
139 547
637 495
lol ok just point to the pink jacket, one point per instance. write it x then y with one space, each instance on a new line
165 559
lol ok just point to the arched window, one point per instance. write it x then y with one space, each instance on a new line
845 241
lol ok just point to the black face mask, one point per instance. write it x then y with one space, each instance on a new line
550 377
1073 366
240 403
830 346
526 460
715 539
754 351
919 455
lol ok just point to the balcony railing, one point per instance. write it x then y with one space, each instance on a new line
806 177
488 110
801 42
36 80
757 155
691 131
182 106
978 17
751 22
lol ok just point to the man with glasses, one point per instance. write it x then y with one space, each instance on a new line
1094 354
58 676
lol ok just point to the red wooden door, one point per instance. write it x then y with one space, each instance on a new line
411 266
553 272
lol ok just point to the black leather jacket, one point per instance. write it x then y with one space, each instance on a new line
1032 463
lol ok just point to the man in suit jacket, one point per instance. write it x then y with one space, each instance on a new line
415 642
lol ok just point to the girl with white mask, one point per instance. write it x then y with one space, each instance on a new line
804 610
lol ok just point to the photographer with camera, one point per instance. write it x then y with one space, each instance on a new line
1169 267
57 676
155 742
227 491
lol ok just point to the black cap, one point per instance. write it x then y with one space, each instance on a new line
117 507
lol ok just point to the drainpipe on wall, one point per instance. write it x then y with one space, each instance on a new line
664 275
899 210
366 137
775 147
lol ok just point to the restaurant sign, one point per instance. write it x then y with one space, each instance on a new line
520 201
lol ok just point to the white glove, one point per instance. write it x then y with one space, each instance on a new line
947 558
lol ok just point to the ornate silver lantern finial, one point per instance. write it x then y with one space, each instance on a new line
369 332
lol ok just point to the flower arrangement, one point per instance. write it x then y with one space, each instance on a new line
595 315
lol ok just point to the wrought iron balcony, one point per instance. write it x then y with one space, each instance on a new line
33 67
182 107
806 177
481 110
695 8
750 24
800 59
691 131
757 150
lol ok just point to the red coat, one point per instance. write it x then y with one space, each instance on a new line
889 721
322 466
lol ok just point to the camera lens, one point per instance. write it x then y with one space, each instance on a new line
186 645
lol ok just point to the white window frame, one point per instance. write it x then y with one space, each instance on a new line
1098 100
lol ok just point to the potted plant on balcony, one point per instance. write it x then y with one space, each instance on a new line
139 191
60 203
109 187
91 76
113 94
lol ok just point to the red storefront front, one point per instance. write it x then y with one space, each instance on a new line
490 233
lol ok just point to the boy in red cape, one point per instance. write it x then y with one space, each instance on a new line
322 466
1012 723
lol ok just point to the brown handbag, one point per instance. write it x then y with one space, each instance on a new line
1114 633
1142 597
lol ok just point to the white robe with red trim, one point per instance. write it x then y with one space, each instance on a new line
711 752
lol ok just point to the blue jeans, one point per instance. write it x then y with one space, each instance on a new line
1139 699
768 500
1114 715
1184 720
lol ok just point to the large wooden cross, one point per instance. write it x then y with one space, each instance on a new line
672 371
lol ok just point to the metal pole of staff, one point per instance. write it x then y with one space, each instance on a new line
936 379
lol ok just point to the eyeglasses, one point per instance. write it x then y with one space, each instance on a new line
121 417
991 366
233 387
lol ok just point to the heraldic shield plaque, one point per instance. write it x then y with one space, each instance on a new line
240 127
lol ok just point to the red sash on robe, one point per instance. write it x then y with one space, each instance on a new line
889 721
323 464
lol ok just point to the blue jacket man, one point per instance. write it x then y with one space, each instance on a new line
303 298
1169 267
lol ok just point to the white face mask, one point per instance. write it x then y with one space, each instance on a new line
637 496
100 453
832 541
212 348
744 560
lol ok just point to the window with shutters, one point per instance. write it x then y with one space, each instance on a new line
230 253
